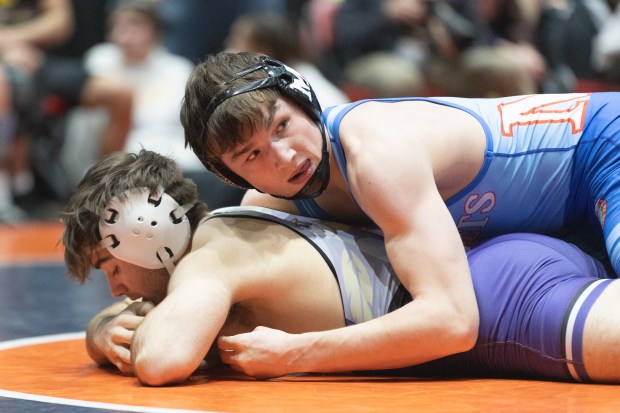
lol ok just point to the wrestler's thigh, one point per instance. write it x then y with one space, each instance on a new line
601 337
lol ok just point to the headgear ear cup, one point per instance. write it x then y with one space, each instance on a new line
150 231
292 85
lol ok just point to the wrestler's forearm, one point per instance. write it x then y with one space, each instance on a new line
174 338
414 334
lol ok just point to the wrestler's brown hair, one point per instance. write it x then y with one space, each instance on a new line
112 177
234 119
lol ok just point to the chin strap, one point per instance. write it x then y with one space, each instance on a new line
319 180
292 85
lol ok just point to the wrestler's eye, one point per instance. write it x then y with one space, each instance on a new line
282 125
252 155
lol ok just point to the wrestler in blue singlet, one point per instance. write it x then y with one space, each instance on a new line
551 162
532 302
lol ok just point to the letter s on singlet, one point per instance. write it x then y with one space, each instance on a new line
482 204
471 227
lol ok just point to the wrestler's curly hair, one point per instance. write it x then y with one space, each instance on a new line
112 177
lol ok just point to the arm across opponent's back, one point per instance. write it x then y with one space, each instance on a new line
426 252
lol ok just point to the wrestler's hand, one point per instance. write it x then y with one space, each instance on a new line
109 337
263 353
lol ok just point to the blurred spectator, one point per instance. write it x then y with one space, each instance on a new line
9 211
573 35
510 31
43 39
26 28
277 36
606 46
196 28
316 20
549 37
503 61
389 45
93 91
449 46
135 57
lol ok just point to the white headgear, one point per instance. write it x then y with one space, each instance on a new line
144 229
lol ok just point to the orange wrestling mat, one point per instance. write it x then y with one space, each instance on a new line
31 243
56 369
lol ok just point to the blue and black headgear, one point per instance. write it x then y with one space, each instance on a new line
292 85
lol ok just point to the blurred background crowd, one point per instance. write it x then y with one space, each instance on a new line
80 79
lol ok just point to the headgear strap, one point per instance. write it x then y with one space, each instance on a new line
293 85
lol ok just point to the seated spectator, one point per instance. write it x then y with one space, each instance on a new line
606 47
195 28
275 35
42 40
579 37
448 42
9 211
135 57
510 32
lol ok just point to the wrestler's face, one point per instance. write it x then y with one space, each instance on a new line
279 159
130 280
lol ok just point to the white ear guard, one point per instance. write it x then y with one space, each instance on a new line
150 231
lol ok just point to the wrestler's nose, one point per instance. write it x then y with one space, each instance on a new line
117 289
282 153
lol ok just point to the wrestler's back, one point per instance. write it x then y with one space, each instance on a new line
453 141
278 279
502 165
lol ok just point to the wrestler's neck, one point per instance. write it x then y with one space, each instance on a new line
337 199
